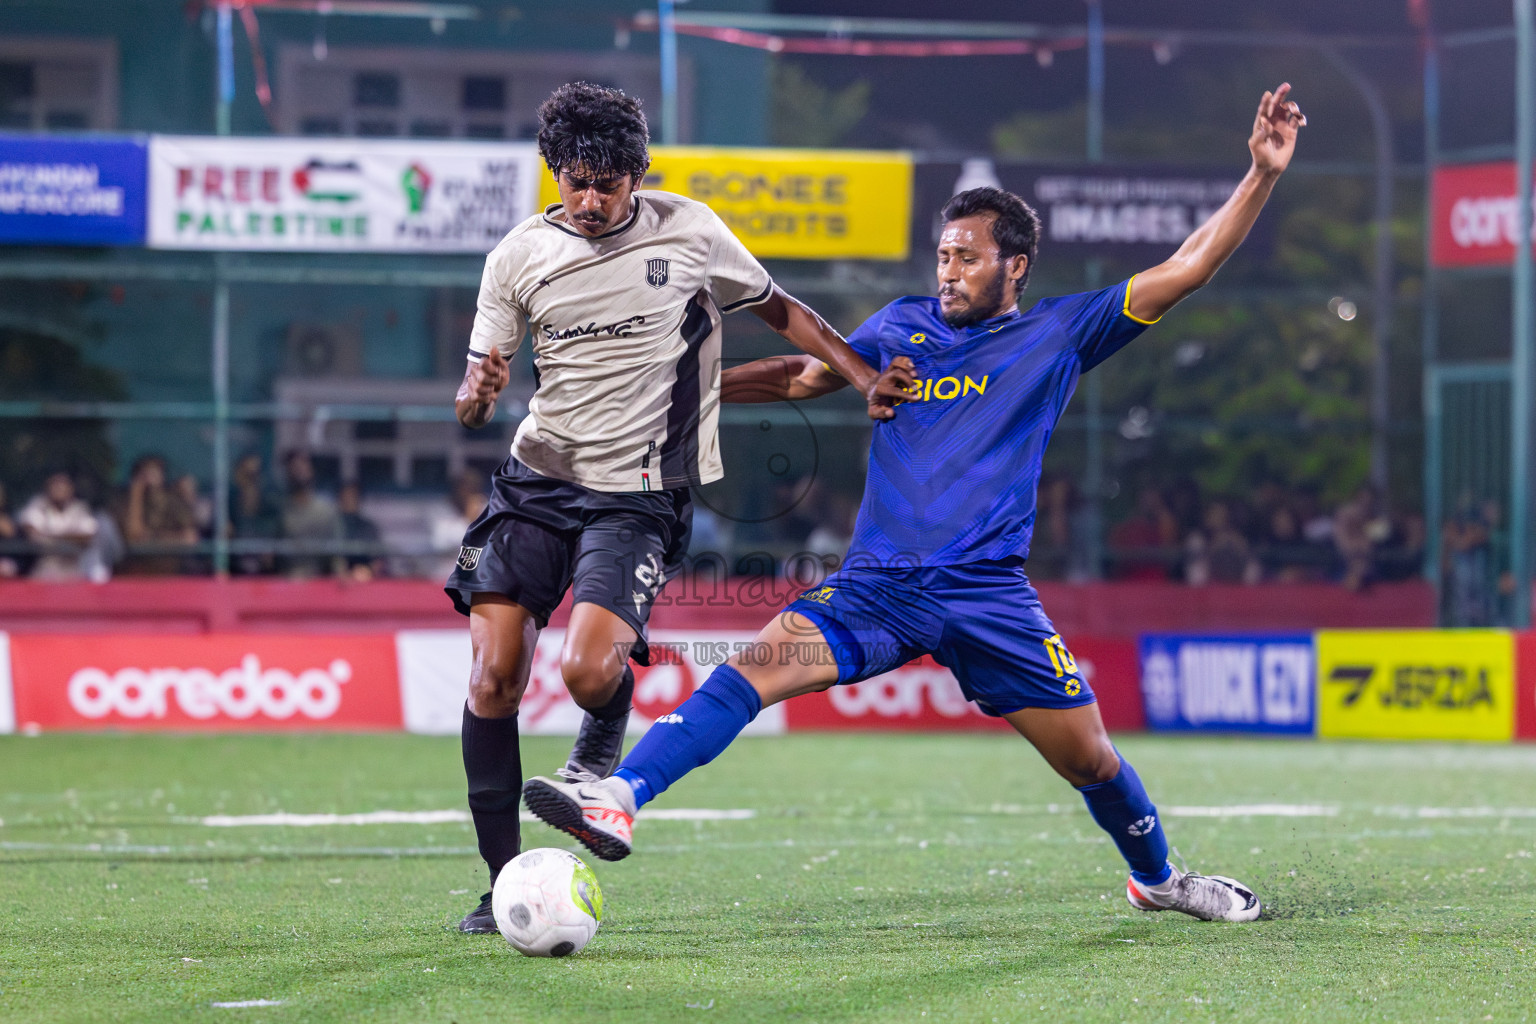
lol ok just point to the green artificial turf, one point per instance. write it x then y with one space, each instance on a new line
883 878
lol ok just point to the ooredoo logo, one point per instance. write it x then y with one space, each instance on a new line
904 693
241 692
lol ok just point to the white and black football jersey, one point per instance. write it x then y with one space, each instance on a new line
626 340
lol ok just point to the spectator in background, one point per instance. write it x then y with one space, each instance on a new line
310 519
254 514
154 514
465 502
201 507
1063 527
356 527
1145 545
10 533
1282 553
1218 552
1469 572
1358 528
74 544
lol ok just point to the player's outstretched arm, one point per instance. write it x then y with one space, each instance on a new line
1272 143
802 328
778 378
475 403
793 378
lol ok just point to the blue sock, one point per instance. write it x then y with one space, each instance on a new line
694 734
1123 809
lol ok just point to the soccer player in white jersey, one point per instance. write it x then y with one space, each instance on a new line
622 292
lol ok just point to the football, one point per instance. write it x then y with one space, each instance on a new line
547 903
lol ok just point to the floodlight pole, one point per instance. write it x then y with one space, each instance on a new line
1381 322
220 346
1523 360
1093 470
666 23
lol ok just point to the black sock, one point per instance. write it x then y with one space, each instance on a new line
623 697
494 767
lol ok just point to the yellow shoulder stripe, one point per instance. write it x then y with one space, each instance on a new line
1126 309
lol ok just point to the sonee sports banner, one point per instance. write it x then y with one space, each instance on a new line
803 204
329 195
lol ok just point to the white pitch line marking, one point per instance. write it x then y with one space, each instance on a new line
240 1004
444 817
1459 812
1257 811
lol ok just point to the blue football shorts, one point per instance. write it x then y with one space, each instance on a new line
982 621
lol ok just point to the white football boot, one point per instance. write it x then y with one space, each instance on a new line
600 814
1208 897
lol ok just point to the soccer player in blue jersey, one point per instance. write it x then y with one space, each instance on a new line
936 563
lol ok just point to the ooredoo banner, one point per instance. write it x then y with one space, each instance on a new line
1448 684
1472 214
923 696
374 195
205 683
1525 685
7 707
1256 683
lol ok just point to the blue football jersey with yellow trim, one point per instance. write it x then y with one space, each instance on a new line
952 477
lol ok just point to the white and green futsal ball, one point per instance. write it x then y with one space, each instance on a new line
547 903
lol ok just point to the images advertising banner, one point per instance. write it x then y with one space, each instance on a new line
1137 213
71 191
1448 684
1260 683
337 195
804 204
212 683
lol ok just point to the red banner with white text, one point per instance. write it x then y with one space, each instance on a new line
215 683
1472 215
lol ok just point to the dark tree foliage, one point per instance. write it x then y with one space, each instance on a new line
37 367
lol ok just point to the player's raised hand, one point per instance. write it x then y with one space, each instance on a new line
489 376
890 389
1273 141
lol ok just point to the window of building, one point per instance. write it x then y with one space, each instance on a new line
49 84
435 93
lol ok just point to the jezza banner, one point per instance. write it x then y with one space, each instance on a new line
359 195
1449 684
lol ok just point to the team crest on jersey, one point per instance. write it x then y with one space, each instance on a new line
656 272
469 558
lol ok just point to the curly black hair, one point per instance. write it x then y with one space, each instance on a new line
1016 228
594 126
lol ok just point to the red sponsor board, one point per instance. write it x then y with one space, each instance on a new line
216 683
922 696
1472 210
1525 686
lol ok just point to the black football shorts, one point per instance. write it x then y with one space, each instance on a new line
539 537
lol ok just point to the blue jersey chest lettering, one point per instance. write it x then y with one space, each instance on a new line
952 477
